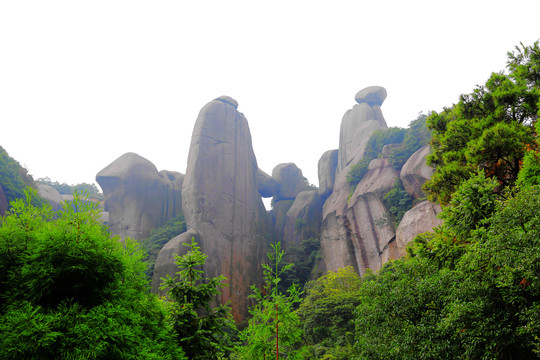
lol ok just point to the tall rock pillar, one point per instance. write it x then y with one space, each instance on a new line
221 201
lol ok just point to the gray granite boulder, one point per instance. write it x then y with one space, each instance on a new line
51 195
266 185
137 197
303 219
327 172
165 261
419 219
373 95
415 172
290 181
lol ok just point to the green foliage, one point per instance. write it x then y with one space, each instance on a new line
159 237
202 331
69 290
407 141
357 171
489 129
14 179
416 136
274 328
305 258
471 206
398 201
327 313
399 310
373 148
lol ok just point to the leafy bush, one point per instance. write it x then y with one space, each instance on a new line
397 201
68 290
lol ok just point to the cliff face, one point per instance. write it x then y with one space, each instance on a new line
222 203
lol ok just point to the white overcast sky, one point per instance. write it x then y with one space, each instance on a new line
83 82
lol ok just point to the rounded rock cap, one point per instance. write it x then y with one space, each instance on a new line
228 100
373 95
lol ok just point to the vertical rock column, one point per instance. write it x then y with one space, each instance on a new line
221 201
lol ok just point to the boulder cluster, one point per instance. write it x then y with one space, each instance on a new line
221 199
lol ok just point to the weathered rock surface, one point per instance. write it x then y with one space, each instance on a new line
303 219
221 201
415 172
3 202
51 195
137 197
349 233
419 219
290 181
327 172
373 95
358 235
165 260
172 181
266 185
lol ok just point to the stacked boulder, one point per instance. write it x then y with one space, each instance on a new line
354 230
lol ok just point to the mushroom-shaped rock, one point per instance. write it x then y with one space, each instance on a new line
415 172
165 261
221 201
133 195
3 202
289 179
373 95
52 196
419 219
266 185
327 172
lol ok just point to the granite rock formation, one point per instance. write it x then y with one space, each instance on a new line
290 181
419 219
349 232
303 219
164 266
266 185
222 203
137 197
327 172
51 195
415 172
